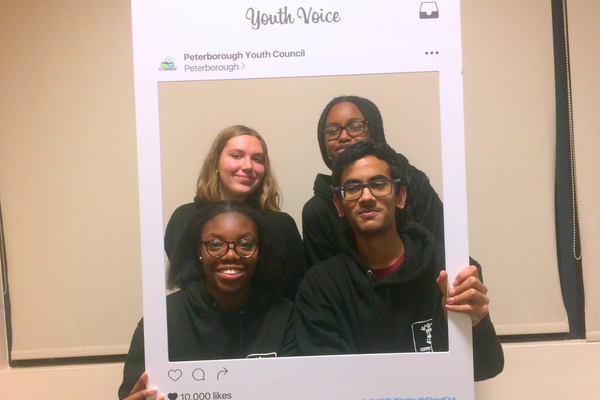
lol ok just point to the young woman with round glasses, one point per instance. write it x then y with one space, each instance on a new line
229 275
344 121
237 168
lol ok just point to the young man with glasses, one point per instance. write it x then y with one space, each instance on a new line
344 121
381 294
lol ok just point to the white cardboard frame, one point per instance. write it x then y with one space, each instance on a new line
393 37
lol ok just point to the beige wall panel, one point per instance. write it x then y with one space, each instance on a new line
68 168
90 382
285 112
584 37
69 190
538 371
510 136
545 370
68 176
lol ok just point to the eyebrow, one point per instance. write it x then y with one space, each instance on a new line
213 235
371 179
244 151
350 120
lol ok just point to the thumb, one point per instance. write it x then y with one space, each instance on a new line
442 282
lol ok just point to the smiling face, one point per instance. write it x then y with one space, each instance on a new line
341 115
369 215
228 278
241 167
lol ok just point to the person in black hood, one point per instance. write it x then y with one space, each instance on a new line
344 121
237 167
385 291
228 306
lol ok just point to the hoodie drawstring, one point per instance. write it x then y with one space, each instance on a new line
241 314
389 305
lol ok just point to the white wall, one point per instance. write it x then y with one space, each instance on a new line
546 370
533 370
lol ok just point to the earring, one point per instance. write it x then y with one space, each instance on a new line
200 258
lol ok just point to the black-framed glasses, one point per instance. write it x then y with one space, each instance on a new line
378 188
354 129
218 248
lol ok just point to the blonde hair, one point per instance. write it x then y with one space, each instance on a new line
209 183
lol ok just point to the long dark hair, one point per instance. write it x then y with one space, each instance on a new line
185 267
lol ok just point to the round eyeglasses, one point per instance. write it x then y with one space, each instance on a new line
378 188
354 129
217 248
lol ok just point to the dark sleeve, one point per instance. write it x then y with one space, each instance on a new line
319 236
317 330
134 363
488 356
290 345
288 241
177 223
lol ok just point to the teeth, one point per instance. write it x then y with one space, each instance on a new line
231 271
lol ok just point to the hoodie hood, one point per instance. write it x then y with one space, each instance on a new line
368 109
323 188
420 248
253 200
202 302
195 320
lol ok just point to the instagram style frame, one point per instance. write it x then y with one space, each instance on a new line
187 40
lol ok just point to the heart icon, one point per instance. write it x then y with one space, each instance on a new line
174 374
172 396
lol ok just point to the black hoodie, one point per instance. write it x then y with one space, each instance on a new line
323 230
343 309
198 330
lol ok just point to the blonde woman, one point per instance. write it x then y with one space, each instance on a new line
237 168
